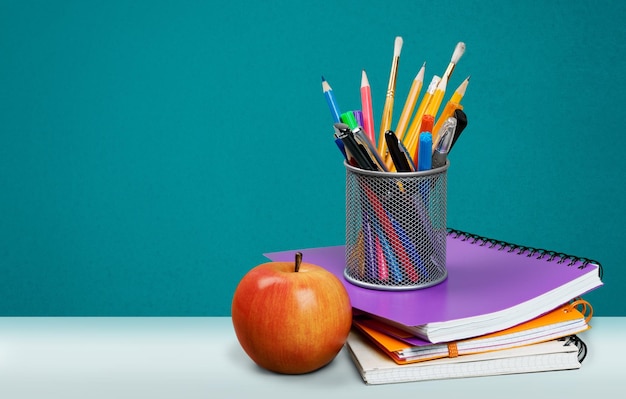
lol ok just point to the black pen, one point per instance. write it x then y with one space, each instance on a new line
461 123
352 147
371 151
397 155
408 156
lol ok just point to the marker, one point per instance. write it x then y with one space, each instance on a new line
358 115
424 159
349 119
426 126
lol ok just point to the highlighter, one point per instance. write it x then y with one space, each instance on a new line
358 115
349 119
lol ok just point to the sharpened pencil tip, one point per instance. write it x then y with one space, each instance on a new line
364 80
420 73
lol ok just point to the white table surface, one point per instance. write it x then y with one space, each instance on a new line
201 358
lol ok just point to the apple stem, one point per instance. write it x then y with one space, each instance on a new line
298 261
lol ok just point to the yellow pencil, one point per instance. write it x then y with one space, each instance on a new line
385 123
458 94
411 101
452 105
447 112
407 111
411 138
435 101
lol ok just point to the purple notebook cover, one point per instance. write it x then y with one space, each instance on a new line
481 280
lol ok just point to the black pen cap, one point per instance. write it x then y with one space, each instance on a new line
461 123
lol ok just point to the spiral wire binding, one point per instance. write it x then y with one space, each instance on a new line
538 253
580 344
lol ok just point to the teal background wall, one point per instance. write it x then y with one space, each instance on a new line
151 151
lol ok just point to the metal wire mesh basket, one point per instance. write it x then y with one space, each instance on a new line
396 228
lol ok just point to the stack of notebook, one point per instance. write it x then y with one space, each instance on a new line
503 309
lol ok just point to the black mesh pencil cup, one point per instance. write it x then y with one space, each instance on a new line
396 228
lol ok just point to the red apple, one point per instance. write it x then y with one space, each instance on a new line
291 317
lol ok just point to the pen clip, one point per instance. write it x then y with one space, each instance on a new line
461 123
445 138
369 148
353 148
397 155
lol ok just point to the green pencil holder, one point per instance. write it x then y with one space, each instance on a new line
396 228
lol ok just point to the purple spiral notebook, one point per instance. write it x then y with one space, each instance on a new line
491 285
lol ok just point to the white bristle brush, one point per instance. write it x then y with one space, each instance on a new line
459 50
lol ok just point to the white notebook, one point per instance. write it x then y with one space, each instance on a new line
376 367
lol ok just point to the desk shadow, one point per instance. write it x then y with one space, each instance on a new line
339 372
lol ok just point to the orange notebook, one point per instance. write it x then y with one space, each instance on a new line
403 348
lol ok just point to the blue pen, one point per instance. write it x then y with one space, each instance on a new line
341 147
425 152
332 102
390 256
410 248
